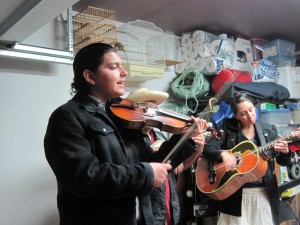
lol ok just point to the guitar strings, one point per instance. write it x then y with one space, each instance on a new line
264 148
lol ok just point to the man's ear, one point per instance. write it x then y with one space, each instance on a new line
89 76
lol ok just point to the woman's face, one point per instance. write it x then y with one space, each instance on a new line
246 113
109 80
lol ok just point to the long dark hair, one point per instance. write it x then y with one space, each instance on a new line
89 57
237 99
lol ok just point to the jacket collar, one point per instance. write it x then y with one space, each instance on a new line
84 100
232 124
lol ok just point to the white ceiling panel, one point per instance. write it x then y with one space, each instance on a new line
22 18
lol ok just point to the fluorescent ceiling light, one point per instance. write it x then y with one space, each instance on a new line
29 48
25 55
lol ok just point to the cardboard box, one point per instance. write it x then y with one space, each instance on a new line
143 72
243 55
257 48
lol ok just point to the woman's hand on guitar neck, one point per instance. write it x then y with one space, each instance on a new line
282 146
229 160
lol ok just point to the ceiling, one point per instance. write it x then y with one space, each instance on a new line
265 19
19 18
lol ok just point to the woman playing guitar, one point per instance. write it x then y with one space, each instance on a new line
255 198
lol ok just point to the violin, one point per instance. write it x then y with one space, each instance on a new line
136 115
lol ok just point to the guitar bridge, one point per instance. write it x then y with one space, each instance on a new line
211 172
238 159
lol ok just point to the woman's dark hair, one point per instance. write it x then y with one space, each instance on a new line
237 99
89 57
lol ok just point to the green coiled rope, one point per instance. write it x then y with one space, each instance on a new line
191 84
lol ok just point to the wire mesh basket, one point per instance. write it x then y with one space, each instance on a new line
93 25
143 43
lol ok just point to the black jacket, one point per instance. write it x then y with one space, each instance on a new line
97 184
233 136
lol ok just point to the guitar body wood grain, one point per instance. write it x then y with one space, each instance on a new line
216 182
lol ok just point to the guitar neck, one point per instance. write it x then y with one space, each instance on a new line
272 143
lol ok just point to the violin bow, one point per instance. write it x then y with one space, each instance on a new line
180 142
194 125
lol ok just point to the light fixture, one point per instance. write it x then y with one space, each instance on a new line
35 56
37 53
15 49
36 49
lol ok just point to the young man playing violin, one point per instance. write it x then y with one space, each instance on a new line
96 181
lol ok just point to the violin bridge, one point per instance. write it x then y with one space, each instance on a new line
148 112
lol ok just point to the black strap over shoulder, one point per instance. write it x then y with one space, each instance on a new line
260 134
263 139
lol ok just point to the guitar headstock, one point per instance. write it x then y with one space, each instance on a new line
211 131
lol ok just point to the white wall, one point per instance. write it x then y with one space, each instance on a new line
29 92
27 97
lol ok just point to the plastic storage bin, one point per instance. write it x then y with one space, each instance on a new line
278 47
282 60
289 77
256 46
276 116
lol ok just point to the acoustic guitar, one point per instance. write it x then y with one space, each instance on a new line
213 180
